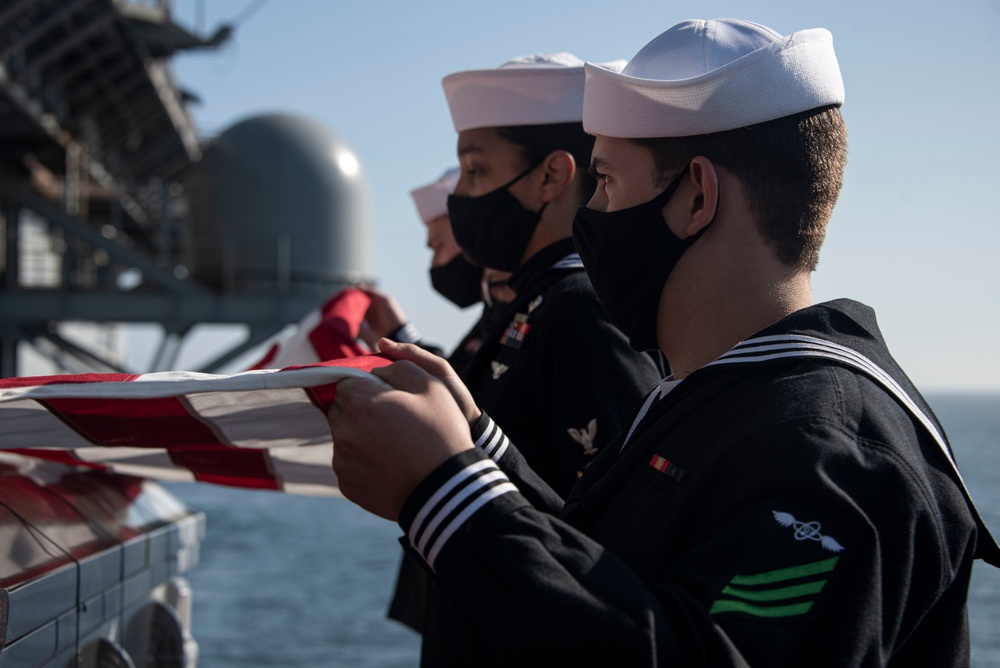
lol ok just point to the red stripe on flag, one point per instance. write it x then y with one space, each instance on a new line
138 423
76 379
336 336
222 465
323 395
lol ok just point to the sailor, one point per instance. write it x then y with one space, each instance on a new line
785 497
452 276
522 152
464 284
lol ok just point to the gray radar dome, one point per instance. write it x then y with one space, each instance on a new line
278 201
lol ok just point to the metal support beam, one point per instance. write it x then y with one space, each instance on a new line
118 253
11 269
15 9
162 81
76 35
45 26
252 309
9 338
80 97
88 358
254 339
170 347
64 80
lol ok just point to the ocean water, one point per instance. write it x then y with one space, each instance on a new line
305 582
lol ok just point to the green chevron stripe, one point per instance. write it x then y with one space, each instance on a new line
783 574
779 594
760 610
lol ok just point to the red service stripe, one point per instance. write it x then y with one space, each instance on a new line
138 423
659 463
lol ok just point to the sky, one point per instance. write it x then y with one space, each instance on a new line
915 234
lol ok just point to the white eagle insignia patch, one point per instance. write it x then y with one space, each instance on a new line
498 369
585 437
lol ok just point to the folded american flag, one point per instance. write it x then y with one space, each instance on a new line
263 428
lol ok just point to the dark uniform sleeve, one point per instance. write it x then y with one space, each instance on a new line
408 333
535 592
488 437
819 559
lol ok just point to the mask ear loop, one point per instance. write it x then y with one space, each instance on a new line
718 198
488 286
484 288
524 173
521 176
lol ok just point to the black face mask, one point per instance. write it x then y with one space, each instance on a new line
458 281
494 229
628 255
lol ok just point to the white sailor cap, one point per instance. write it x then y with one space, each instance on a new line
709 76
432 199
540 89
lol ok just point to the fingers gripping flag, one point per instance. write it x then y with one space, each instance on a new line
263 428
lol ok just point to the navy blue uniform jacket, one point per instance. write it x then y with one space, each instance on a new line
771 509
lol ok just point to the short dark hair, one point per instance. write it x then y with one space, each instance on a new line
791 168
537 141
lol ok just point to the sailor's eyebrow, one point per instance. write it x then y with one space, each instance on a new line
469 148
597 165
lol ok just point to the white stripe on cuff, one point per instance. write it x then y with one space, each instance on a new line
492 441
488 495
477 485
418 522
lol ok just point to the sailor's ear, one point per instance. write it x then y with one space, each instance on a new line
700 196
558 170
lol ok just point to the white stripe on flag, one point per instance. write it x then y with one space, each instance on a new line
276 418
297 349
142 462
28 424
173 383
305 470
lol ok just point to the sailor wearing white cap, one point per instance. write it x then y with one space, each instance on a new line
518 128
786 497
452 275
522 153
521 148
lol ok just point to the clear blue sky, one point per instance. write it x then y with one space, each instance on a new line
915 234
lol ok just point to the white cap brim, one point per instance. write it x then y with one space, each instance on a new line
505 97
540 89
792 74
431 200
